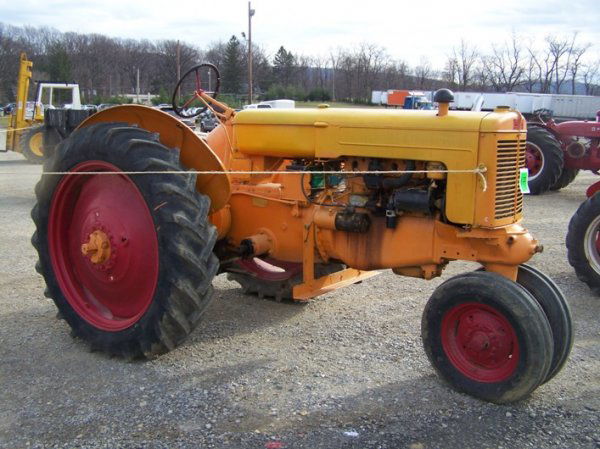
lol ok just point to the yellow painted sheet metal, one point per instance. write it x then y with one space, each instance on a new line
329 132
392 134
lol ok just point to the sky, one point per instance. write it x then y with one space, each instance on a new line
407 29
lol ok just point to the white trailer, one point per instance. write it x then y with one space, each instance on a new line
561 106
376 97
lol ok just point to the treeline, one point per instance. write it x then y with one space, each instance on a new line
107 67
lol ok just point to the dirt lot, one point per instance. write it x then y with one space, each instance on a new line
346 371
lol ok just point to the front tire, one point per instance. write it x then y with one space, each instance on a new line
487 336
583 242
127 259
556 309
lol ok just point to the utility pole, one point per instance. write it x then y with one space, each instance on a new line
333 64
178 67
250 14
178 61
137 86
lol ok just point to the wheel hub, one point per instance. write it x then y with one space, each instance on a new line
480 342
93 219
97 248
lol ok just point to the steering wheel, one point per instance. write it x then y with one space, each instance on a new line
201 79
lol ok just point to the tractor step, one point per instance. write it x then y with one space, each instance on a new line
330 282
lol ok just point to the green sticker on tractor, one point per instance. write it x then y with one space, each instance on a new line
524 180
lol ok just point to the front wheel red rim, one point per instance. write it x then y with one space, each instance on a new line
107 213
480 342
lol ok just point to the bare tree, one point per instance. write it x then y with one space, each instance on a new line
450 75
398 74
576 63
321 72
334 60
504 67
531 73
591 78
465 57
543 65
106 66
481 75
422 73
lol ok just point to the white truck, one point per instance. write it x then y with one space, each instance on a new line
38 126
272 104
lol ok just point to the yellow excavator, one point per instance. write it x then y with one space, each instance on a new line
37 126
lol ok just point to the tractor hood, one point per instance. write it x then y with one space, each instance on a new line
332 132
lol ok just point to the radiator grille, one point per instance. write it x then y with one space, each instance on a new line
510 158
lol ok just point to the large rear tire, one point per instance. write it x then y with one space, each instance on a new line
31 144
583 242
127 259
567 176
488 337
543 158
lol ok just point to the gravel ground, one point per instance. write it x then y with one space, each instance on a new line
345 371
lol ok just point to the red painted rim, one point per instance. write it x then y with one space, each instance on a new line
480 342
113 295
534 159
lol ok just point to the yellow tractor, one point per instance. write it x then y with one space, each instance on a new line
33 131
136 214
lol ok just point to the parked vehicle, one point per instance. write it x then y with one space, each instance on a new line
9 108
129 262
583 240
272 104
208 121
188 121
36 127
404 99
559 106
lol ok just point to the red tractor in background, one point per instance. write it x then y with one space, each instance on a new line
577 145
557 151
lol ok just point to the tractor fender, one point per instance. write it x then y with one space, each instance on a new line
591 130
591 190
195 153
551 128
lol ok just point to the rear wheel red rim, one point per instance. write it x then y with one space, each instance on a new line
591 244
534 159
113 294
480 342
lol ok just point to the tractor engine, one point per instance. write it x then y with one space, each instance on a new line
407 190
